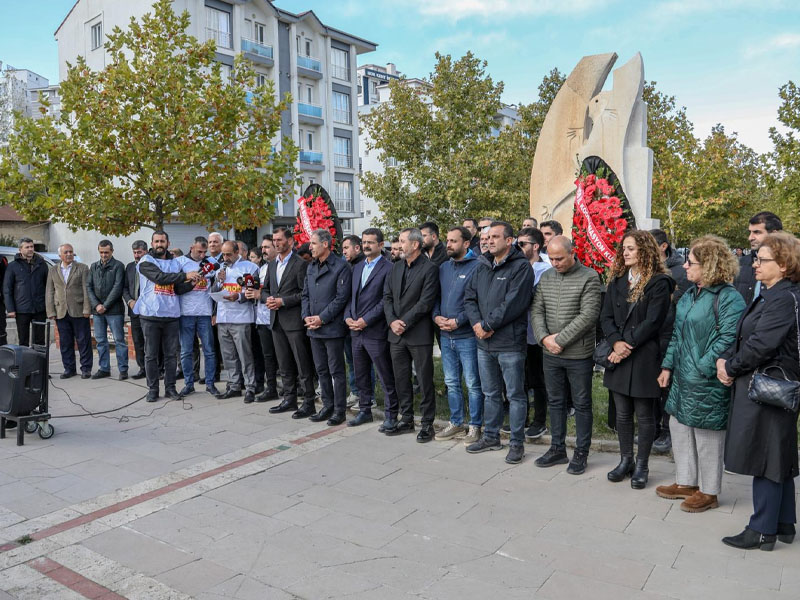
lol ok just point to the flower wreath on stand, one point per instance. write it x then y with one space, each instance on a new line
316 211
600 220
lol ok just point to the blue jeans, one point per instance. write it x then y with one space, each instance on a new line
578 372
101 325
495 369
460 356
201 327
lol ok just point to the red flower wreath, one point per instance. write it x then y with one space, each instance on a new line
317 216
608 226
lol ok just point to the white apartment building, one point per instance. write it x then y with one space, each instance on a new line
302 56
373 89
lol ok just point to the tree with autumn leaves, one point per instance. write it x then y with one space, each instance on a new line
158 135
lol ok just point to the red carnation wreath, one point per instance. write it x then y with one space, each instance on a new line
313 213
598 224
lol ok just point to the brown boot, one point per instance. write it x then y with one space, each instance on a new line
699 502
676 492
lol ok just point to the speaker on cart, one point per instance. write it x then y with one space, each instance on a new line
22 378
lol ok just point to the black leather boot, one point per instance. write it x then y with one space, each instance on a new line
750 539
622 470
640 473
786 532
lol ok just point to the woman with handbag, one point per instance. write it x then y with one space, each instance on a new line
634 308
705 327
763 365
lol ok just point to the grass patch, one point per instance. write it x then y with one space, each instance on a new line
25 539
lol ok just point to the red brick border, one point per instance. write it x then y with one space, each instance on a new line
72 580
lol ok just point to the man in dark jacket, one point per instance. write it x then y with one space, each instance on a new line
105 284
325 294
24 290
475 240
368 329
496 300
432 247
409 295
760 225
130 293
3 336
459 346
352 252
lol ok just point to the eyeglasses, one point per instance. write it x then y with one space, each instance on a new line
691 264
758 260
522 244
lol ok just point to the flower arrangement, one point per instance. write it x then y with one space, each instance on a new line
313 213
598 223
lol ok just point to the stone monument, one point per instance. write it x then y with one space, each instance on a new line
585 122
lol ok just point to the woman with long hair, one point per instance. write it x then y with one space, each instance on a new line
636 304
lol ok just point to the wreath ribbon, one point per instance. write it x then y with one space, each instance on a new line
592 233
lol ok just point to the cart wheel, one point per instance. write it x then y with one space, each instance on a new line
46 431
31 426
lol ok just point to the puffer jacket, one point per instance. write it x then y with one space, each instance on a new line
697 398
24 285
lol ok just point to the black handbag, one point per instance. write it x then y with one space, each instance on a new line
601 353
780 392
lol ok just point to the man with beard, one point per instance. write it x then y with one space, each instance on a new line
351 251
263 330
760 225
474 242
130 293
432 247
159 310
396 251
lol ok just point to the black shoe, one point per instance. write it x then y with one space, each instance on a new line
515 454
304 412
187 390
140 375
123 375
212 389
389 424
552 457
67 374
259 388
534 432
401 428
249 397
750 539
640 473
86 375
266 396
323 415
484 445
361 418
663 443
577 466
622 470
101 374
336 420
786 532
283 407
172 394
152 396
425 434
229 393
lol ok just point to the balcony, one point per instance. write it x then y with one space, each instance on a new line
343 160
257 52
311 161
308 66
223 39
309 113
344 205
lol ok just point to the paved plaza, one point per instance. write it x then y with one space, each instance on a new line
217 499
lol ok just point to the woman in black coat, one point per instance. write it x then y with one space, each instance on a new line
762 440
635 306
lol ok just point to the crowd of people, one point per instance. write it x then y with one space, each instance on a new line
518 319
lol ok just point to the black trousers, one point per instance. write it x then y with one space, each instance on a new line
138 340
24 321
773 503
71 330
270 376
403 355
626 406
296 364
661 416
368 352
328 356
163 335
534 380
3 334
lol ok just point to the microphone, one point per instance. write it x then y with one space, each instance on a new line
207 267
249 282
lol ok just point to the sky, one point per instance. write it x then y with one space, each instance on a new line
724 60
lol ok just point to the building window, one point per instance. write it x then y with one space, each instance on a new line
343 196
308 139
391 161
340 64
347 226
97 35
308 48
261 79
225 72
342 154
341 108
218 27
259 31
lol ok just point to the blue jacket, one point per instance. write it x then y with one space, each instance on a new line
454 275
326 293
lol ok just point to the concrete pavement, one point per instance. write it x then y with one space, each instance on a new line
217 499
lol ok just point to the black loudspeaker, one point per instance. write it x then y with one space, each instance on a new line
22 378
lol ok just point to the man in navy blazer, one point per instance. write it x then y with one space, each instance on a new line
369 330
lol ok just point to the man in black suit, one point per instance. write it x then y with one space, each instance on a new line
409 295
130 293
282 295
368 329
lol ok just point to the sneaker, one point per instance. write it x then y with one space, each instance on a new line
663 443
534 432
352 400
515 454
483 445
577 466
449 432
473 435
552 457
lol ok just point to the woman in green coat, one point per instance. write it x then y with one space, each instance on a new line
705 327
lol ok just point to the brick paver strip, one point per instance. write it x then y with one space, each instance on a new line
72 580
122 505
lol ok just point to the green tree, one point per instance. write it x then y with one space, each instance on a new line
158 135
787 158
